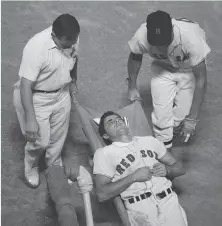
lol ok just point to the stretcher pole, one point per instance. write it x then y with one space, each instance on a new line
85 185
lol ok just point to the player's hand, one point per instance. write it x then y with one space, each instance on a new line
159 170
188 130
133 94
32 131
142 174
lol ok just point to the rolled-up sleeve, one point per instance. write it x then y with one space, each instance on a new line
32 61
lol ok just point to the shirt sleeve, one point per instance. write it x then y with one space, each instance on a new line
32 61
135 46
102 165
196 49
139 37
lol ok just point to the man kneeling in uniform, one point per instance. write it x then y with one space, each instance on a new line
138 169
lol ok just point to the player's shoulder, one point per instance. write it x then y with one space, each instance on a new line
39 40
146 139
188 29
105 150
141 33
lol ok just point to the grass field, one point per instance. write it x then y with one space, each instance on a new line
105 29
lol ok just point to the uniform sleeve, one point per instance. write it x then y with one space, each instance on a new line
32 61
136 43
102 165
197 49
136 47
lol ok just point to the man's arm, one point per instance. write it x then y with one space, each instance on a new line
168 167
27 103
73 74
200 73
133 66
106 189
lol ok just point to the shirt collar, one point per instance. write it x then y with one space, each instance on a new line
51 43
123 144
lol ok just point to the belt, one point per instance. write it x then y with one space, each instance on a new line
139 197
163 194
146 195
43 91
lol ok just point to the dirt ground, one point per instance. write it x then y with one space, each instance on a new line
105 29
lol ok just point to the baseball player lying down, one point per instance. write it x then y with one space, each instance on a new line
138 169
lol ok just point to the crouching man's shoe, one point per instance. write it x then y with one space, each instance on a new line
31 175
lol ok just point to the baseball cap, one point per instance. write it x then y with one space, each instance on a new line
159 28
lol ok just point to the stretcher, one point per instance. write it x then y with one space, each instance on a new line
138 126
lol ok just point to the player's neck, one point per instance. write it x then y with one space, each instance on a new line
124 138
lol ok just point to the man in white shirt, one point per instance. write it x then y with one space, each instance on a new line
178 73
47 76
138 169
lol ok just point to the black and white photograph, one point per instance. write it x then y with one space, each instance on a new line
111 113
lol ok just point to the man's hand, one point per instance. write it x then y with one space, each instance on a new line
73 87
142 174
32 131
159 170
72 173
133 94
188 130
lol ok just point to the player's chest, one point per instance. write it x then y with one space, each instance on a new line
130 159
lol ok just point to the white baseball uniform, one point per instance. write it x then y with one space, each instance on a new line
118 160
49 69
173 82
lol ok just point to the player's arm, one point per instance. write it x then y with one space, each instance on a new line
106 189
200 73
174 168
133 67
167 166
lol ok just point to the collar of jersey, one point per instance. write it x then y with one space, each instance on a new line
123 144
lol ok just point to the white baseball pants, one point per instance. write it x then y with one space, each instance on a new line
172 95
52 112
154 212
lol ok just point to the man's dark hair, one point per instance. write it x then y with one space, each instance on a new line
159 28
67 26
102 127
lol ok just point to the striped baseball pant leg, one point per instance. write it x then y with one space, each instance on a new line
172 95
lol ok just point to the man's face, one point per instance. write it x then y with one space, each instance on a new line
115 126
63 42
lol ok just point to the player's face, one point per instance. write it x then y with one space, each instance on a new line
115 126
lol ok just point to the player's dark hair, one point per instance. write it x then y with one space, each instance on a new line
102 130
67 26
